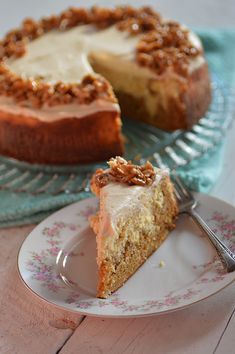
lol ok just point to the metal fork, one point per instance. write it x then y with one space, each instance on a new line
187 205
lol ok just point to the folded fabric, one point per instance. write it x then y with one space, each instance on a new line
199 175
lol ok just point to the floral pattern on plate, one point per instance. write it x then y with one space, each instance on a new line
42 264
39 254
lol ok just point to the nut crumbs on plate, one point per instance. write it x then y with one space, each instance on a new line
162 264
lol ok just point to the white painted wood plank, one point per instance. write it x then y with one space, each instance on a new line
227 343
190 331
27 324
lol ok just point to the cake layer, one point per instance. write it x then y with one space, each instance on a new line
65 141
169 101
113 274
173 104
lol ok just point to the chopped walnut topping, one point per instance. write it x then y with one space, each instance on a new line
163 45
123 171
102 178
39 93
166 46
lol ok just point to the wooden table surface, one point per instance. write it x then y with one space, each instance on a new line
29 325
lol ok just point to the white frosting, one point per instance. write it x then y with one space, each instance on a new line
67 56
116 199
52 114
196 62
64 56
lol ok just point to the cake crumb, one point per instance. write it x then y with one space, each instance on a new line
162 264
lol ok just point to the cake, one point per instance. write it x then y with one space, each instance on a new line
136 213
64 79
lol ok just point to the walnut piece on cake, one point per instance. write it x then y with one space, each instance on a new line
123 171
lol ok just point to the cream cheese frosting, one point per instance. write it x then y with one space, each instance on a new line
70 55
52 114
64 56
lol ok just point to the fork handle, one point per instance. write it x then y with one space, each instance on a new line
226 256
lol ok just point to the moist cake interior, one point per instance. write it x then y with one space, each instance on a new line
131 224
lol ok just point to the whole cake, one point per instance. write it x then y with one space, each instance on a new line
137 211
57 77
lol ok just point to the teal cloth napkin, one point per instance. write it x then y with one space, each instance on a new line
200 174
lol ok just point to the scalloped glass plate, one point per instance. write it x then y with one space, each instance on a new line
57 262
142 142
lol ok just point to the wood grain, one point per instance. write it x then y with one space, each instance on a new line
193 330
27 324
226 342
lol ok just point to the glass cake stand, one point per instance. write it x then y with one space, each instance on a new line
143 142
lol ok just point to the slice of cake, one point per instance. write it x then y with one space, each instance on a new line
137 211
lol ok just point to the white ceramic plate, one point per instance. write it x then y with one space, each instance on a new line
57 261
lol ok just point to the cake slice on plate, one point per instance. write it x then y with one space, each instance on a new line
137 211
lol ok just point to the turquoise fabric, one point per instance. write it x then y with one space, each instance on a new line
200 174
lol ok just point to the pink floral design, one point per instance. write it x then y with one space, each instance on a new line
41 265
168 301
85 304
218 274
225 227
88 211
72 298
76 254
